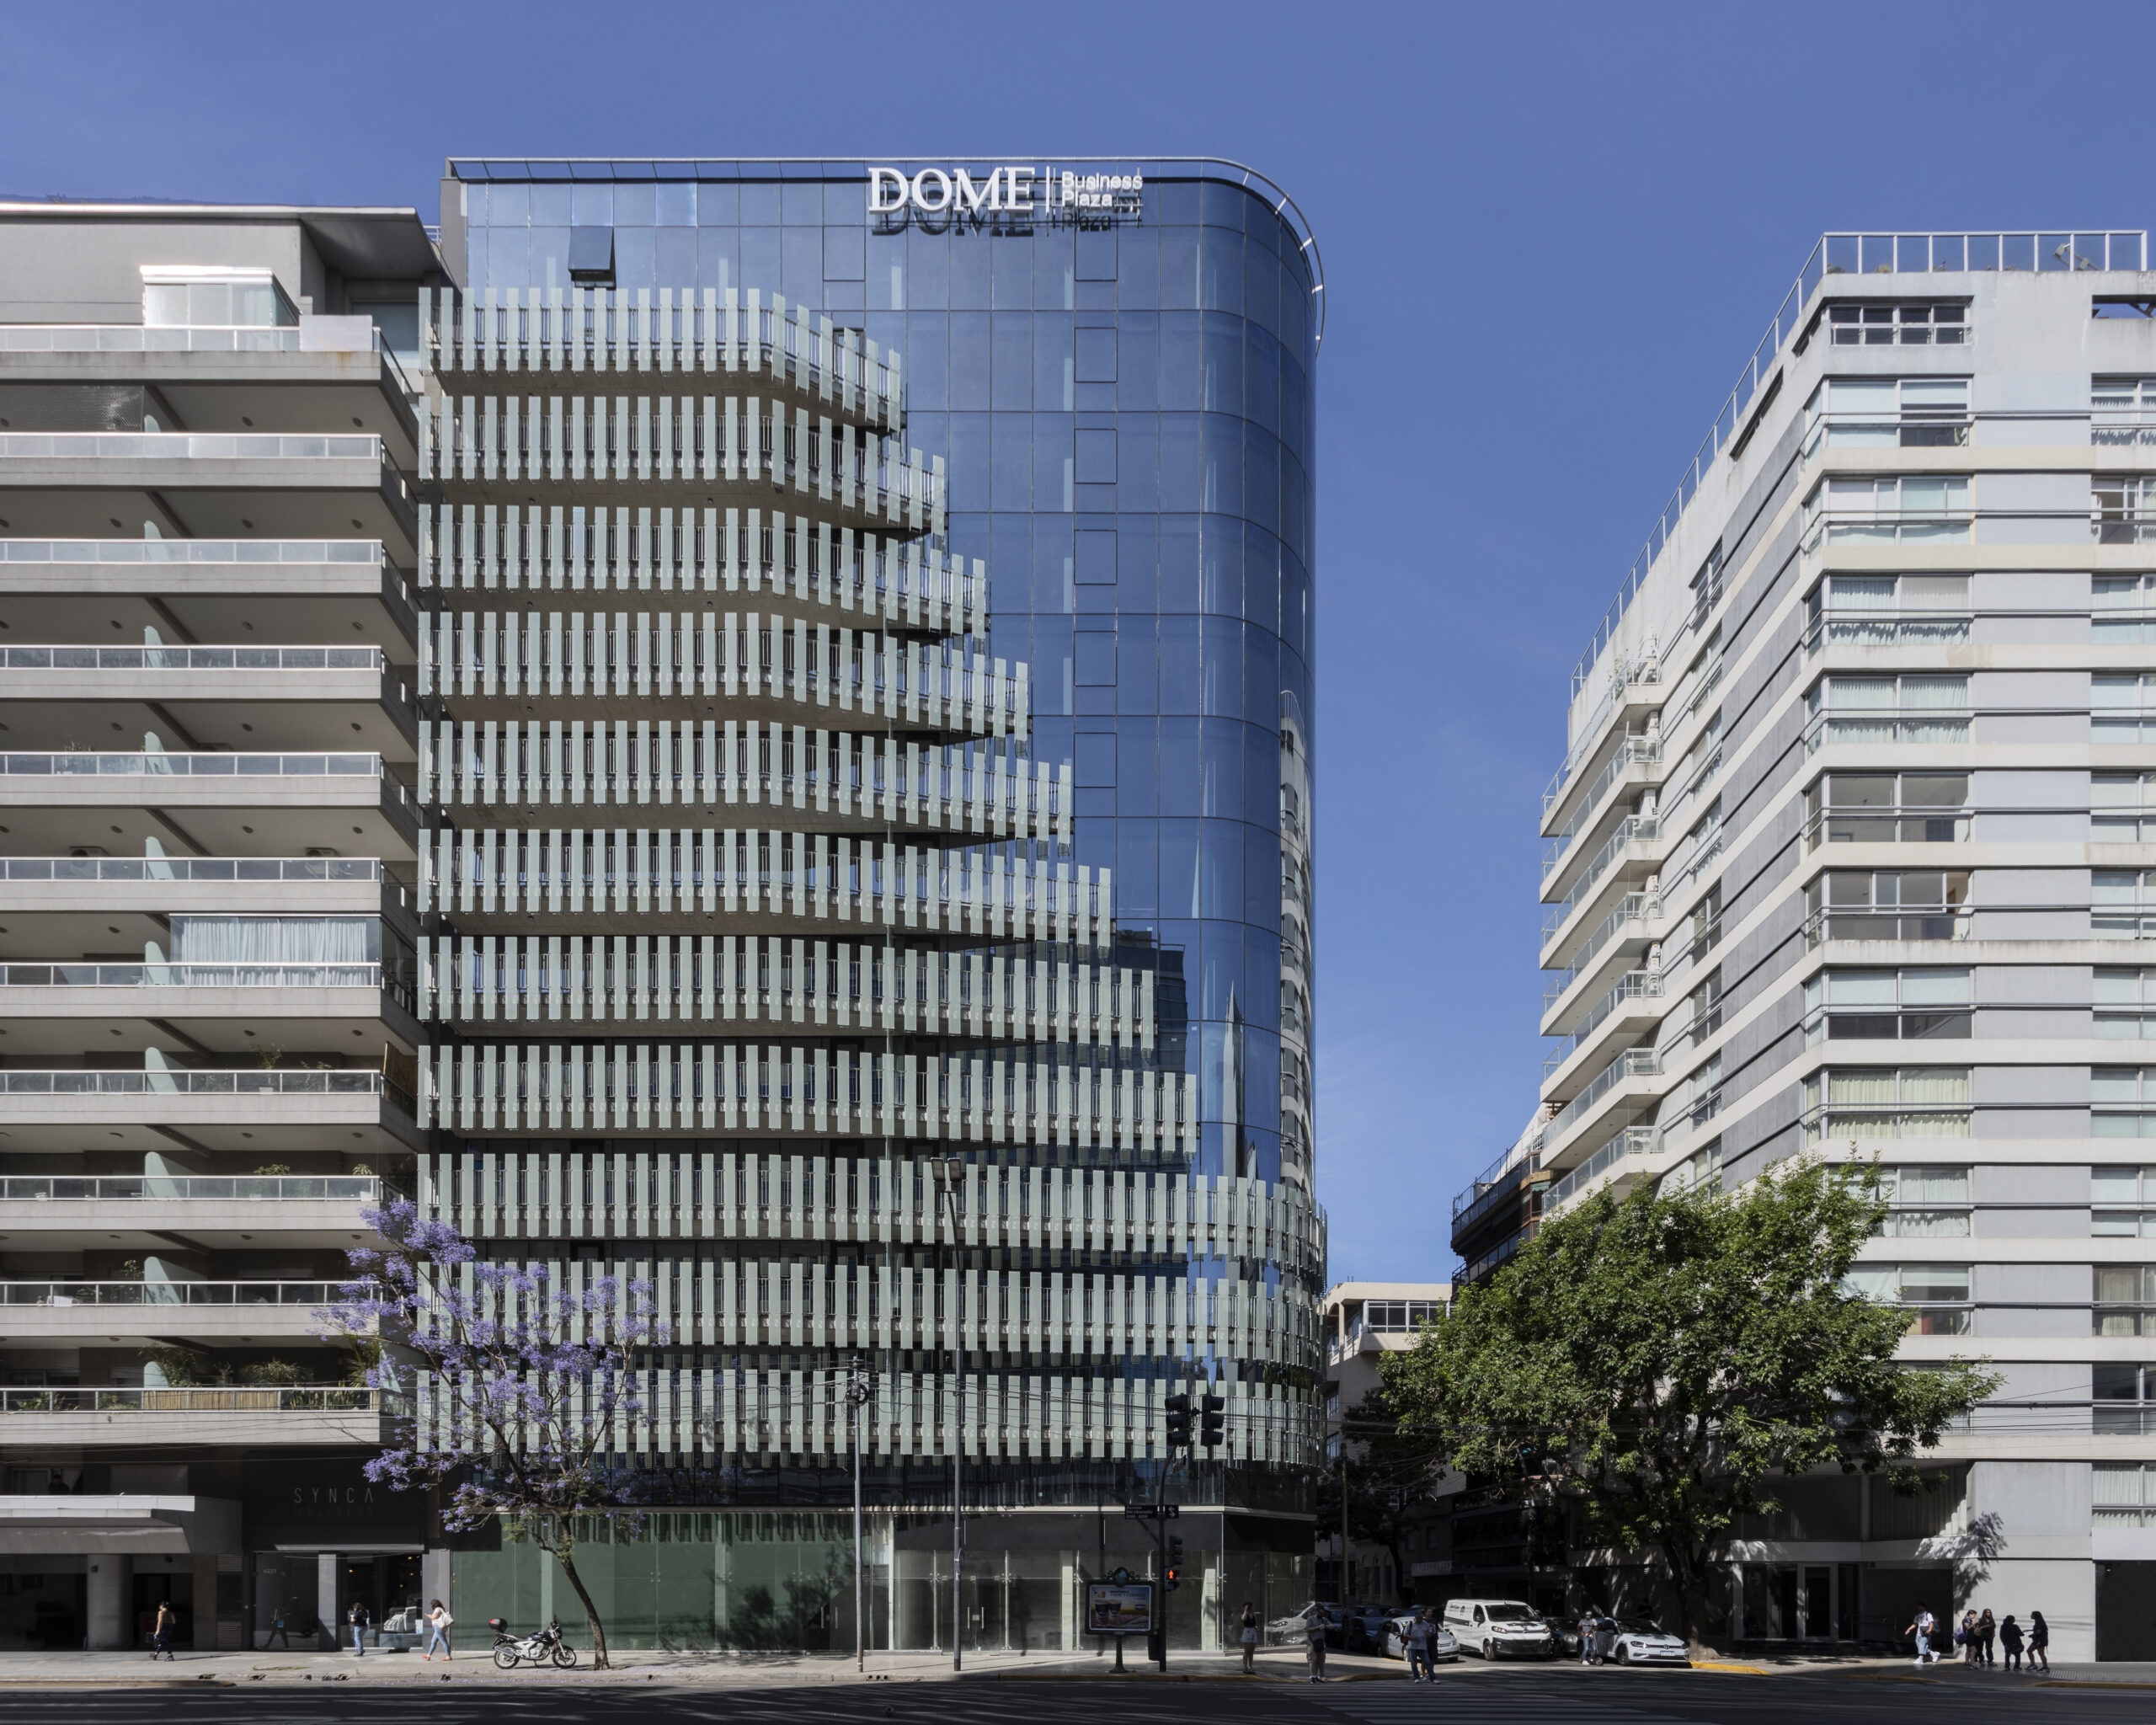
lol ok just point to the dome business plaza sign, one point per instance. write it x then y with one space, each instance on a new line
1024 191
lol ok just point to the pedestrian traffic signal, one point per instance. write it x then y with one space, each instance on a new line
1175 1548
1175 1580
1178 1420
1214 1431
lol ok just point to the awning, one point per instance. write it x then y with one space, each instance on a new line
59 1526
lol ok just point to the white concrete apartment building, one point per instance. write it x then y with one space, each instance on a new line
1854 852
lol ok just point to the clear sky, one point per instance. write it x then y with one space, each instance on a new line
1551 236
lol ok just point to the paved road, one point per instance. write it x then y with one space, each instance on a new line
1468 1695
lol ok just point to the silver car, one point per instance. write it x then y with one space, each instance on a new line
1443 1645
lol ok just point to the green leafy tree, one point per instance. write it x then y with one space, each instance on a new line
1660 1360
1387 1479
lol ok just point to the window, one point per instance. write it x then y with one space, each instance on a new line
2124 410
1888 610
1869 323
1905 709
1929 1203
1699 1099
1862 904
2121 807
2124 1294
1697 770
1399 1314
1888 413
2122 904
1887 1005
2125 1397
2116 1201
1700 1016
1910 508
2122 1494
2125 1003
2124 508
2123 610
1886 1101
1701 845
2122 1102
1937 1293
1707 585
1912 808
2121 708
211 297
1701 1171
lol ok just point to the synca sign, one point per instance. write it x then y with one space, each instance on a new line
1010 190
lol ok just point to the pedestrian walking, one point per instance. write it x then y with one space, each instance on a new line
438 1622
1250 1639
1421 1634
1922 1628
1965 1634
161 1631
2009 1639
1588 1623
280 1628
357 1617
1987 1637
1314 1644
2039 1640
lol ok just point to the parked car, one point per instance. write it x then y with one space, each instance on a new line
1564 1636
1364 1628
1443 1645
1292 1631
1497 1629
1641 1641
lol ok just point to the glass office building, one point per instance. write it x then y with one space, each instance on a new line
936 538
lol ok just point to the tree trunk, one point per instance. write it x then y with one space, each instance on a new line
1688 1570
591 1612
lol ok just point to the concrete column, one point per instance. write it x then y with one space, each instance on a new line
205 1602
110 1574
434 1571
325 1597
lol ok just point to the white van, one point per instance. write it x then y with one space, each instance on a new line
1494 1629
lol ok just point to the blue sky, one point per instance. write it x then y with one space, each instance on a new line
1551 236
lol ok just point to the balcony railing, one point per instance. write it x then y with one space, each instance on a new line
1632 986
1869 1119
1633 1063
1625 675
13 1292
191 658
1879 527
1886 431
191 869
1522 1154
1633 829
280 1188
282 1398
1632 1141
171 338
1632 906
243 1081
1632 751
158 764
188 445
183 551
1886 824
1906 922
1858 726
1876 629
191 976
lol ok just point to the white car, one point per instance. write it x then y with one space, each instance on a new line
1638 1641
1497 1629
1443 1645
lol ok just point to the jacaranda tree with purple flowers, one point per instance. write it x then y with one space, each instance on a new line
517 1389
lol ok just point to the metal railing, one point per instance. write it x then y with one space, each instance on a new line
206 551
191 869
1632 986
289 1293
1886 824
1874 628
174 339
191 976
237 1399
160 765
1633 1141
190 659
1523 1153
1640 828
1878 527
1879 1119
1854 727
282 1188
191 445
1633 1063
1935 923
1886 431
1632 905
1632 751
1623 675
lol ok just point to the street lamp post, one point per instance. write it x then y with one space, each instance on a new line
857 1394
949 1171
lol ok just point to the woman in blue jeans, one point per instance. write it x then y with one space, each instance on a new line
438 1622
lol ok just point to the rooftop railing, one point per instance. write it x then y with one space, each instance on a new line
279 1189
190 869
1520 1154
190 658
159 765
1868 255
209 551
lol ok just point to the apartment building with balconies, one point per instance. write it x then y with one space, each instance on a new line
1856 762
210 914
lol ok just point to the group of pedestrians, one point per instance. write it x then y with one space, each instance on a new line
1981 1638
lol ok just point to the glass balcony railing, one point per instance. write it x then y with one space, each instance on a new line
1848 726
171 338
89 765
1632 751
1633 1063
188 445
1632 906
1632 986
190 869
1877 628
280 1189
315 658
1633 1141
167 1293
190 976
236 1398
1633 829
209 551
243 1081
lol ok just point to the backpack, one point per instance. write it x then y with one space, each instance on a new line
1960 1635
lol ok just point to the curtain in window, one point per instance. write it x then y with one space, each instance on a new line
264 942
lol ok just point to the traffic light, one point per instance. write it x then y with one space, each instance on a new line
1178 1421
1174 1580
1212 1430
1174 1571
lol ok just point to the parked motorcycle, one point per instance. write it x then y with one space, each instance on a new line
543 1646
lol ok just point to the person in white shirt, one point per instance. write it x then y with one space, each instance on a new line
1926 1627
438 1621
